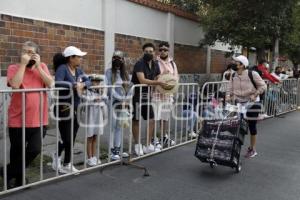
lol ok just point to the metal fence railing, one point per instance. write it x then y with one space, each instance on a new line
278 99
281 98
298 96
173 122
181 126
165 121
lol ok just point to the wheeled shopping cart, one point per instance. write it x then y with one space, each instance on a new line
221 140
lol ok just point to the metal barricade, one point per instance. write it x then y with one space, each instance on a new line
150 134
104 143
267 101
278 99
213 96
42 96
298 96
281 98
184 113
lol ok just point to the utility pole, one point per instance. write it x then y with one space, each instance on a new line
276 54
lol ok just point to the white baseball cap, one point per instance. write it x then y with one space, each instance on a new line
242 59
73 51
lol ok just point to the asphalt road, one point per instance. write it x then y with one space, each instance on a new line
177 175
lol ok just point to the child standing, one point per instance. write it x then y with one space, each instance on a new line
94 118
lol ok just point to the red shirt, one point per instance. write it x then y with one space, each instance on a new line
266 74
31 79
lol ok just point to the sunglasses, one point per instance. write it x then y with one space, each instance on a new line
165 50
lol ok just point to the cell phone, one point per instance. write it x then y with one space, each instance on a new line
30 63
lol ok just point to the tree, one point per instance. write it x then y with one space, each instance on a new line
192 6
290 45
256 23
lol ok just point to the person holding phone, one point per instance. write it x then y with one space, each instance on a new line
30 73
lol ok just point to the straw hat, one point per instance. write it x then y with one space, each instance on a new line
172 82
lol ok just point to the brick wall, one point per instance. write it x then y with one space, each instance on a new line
51 38
132 46
218 61
190 59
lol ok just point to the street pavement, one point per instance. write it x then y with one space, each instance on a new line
177 175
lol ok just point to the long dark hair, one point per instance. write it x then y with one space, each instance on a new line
58 59
123 73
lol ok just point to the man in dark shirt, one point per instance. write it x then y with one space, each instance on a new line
145 71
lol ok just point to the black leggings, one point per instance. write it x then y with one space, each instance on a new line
65 133
32 150
251 117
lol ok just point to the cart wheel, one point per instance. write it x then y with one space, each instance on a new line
212 165
238 168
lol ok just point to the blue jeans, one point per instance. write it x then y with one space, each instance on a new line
191 117
116 129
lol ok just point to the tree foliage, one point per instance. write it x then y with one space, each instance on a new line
255 23
192 6
290 44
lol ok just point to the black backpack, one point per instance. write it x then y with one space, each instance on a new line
255 68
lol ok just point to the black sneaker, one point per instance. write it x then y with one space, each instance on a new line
167 140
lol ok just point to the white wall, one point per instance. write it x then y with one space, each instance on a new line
187 32
137 20
83 13
130 18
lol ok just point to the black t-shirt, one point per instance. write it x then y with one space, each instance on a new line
149 73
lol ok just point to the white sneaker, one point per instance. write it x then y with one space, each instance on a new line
56 162
97 161
68 168
125 155
264 116
115 157
138 150
158 146
91 162
192 134
156 143
173 143
148 149
157 149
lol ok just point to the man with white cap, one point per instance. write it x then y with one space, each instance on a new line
246 86
69 75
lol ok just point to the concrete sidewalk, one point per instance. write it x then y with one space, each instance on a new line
177 174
